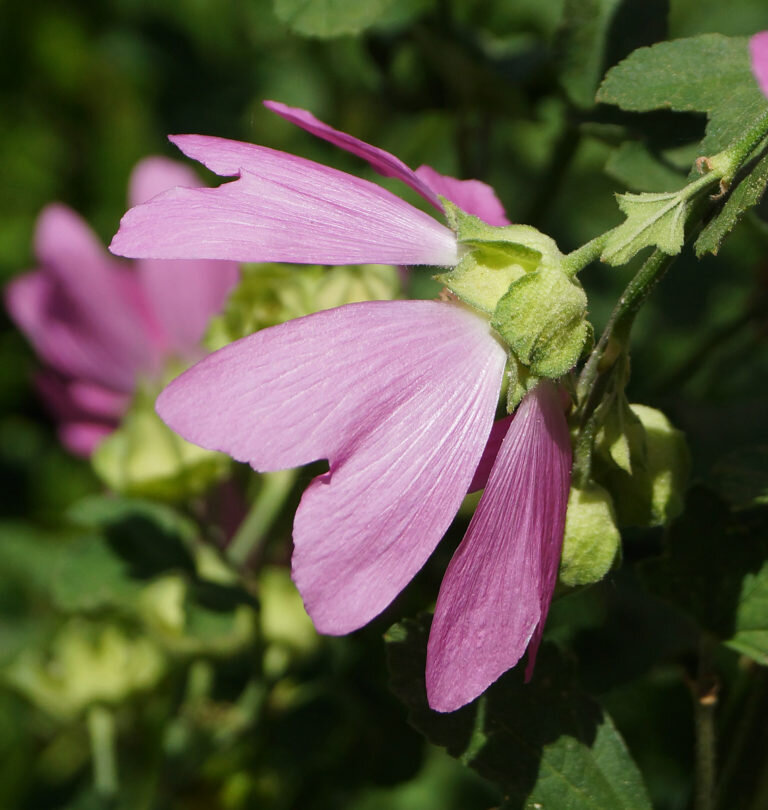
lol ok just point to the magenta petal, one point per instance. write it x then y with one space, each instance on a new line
472 196
282 208
758 50
485 465
496 592
383 162
398 395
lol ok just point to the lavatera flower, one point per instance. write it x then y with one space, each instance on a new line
105 328
398 396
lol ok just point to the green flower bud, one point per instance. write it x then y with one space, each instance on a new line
668 464
591 538
87 663
145 458
643 461
542 318
517 275
273 293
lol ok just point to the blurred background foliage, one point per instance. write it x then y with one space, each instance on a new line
125 642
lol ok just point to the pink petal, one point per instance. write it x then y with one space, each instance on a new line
497 589
182 295
758 50
472 196
76 400
82 310
492 446
81 438
153 175
65 340
282 208
383 162
398 395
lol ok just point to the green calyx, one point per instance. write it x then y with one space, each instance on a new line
518 276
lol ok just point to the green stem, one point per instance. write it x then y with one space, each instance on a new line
704 704
578 259
101 728
727 163
275 488
620 321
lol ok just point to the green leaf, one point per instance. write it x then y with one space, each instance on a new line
747 193
652 219
150 537
715 568
545 743
634 166
582 45
709 73
330 18
88 575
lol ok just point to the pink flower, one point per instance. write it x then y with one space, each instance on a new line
758 50
100 325
398 396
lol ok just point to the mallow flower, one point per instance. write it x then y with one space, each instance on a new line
398 396
101 325
758 51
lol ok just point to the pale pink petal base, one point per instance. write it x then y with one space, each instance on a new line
399 396
496 592
758 51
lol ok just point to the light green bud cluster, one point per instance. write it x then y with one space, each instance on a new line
87 662
640 469
144 457
518 277
273 293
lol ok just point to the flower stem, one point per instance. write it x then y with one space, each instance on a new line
727 163
578 259
704 691
620 321
275 488
101 728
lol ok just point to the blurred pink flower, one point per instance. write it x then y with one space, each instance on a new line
758 50
99 324
398 396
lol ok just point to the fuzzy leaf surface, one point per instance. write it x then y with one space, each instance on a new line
708 73
652 219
